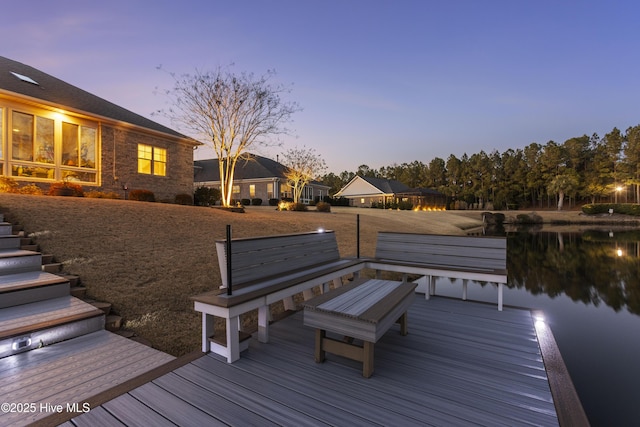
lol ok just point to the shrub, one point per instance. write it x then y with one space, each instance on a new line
8 185
531 218
142 195
66 188
256 202
95 194
619 208
291 206
32 189
206 196
323 207
184 199
273 202
245 202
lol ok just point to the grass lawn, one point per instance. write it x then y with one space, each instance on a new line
147 259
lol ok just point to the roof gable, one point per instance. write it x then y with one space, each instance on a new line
249 166
21 79
367 186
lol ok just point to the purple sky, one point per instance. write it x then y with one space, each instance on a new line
380 82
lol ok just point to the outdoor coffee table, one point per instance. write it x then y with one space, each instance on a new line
364 310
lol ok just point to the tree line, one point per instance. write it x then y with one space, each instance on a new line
584 169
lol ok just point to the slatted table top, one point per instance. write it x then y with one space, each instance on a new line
366 300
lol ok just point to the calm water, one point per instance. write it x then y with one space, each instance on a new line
588 285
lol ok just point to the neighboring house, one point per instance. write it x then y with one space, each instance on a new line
51 131
366 191
256 177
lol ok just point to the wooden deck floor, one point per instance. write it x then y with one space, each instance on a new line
463 363
69 372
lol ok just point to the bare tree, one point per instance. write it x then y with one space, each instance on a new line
232 113
303 165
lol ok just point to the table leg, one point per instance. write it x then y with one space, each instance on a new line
404 327
367 362
320 354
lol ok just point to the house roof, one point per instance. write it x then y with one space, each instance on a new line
22 79
249 166
387 185
361 186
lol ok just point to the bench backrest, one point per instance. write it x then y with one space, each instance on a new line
472 252
261 257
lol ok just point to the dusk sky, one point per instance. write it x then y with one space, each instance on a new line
380 82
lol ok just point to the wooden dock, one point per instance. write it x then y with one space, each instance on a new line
463 363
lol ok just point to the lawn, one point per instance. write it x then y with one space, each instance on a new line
147 259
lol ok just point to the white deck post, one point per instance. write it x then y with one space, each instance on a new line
289 304
207 330
464 289
499 296
263 323
233 340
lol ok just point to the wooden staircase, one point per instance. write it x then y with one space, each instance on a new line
54 348
36 308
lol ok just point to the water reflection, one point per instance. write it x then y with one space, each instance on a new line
593 267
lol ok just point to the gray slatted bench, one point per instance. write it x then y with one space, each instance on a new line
476 258
363 310
265 270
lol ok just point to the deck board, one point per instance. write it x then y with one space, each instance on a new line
72 371
462 364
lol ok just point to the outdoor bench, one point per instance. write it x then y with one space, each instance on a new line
364 309
260 271
477 258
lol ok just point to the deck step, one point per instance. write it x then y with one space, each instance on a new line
113 322
104 306
53 267
6 228
72 278
30 326
31 286
78 291
47 258
9 241
72 371
19 261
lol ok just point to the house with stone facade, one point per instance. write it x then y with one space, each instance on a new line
256 177
53 131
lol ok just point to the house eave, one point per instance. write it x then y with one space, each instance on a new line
64 109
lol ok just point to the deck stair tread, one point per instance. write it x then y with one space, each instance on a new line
29 279
44 314
72 371
9 253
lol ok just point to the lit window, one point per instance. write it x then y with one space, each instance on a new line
236 189
43 146
252 190
152 160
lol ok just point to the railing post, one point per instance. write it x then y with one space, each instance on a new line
357 235
228 250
